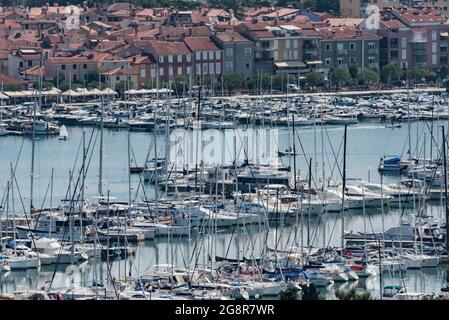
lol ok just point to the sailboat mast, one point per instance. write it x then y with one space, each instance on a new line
100 167
294 154
445 188
408 122
343 190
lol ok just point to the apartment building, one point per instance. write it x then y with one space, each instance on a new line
342 47
207 56
358 8
172 59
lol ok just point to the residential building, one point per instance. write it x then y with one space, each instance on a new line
265 46
414 36
238 53
344 46
357 8
22 59
66 69
207 57
172 59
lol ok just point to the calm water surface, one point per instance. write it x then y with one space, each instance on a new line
366 143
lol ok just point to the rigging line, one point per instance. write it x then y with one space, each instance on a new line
85 172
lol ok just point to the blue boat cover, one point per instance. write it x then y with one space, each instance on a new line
392 160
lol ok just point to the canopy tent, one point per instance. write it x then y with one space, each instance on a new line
3 96
108 91
70 93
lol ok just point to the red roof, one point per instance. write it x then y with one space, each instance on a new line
344 33
230 36
164 48
200 44
418 15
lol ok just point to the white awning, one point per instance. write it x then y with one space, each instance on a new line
314 62
3 96
290 64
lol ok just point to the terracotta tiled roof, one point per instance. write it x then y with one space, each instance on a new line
282 12
418 15
9 80
230 36
392 24
200 44
344 33
162 48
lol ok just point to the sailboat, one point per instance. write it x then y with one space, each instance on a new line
63 133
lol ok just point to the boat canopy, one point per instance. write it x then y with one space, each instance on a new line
392 160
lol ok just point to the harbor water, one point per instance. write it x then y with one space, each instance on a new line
367 143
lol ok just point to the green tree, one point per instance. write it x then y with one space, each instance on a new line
96 85
390 72
232 82
352 295
310 292
292 293
124 85
12 87
331 6
417 72
443 73
94 76
431 76
46 85
315 79
180 83
339 76
353 71
367 77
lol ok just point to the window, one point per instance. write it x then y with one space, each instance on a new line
275 55
404 54
434 35
179 71
142 72
161 59
179 58
434 59
247 66
30 63
287 44
170 58
352 60
218 55
218 68
74 77
247 52
74 66
117 78
170 71
198 55
211 55
340 61
153 73
352 46
204 55
161 71
327 62
198 68
404 42
371 45
229 66
211 68
434 47
371 60
340 46
189 58
21 64
189 70
230 52
295 55
205 67
295 43
328 47
63 67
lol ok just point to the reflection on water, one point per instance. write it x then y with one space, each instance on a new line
366 144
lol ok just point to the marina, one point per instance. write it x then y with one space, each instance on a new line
284 192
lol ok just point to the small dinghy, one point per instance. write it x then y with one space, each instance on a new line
63 133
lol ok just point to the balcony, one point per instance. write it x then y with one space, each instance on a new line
263 59
342 52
